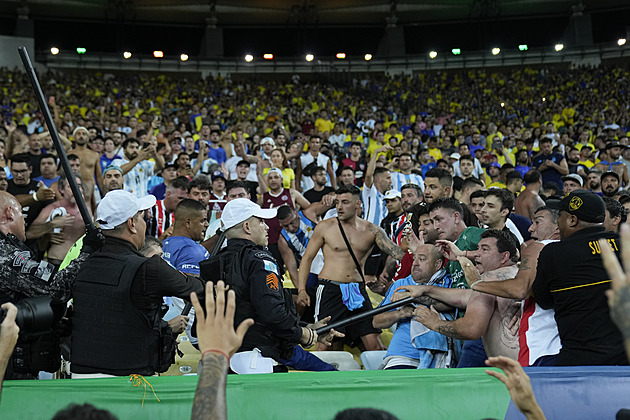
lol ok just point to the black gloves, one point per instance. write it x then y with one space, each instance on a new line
93 240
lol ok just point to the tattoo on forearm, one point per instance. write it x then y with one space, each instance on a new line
209 400
385 244
449 330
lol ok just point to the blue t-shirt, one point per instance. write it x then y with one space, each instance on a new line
218 154
401 341
184 254
159 191
549 174
47 182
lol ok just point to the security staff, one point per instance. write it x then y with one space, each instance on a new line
254 275
117 327
571 279
22 276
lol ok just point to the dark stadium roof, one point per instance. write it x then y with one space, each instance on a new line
283 12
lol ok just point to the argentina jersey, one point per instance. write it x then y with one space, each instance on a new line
400 179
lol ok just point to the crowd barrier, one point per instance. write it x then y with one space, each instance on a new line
564 393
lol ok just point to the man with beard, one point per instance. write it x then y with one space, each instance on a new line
410 195
136 166
486 316
438 184
593 181
405 163
610 183
614 164
344 261
90 165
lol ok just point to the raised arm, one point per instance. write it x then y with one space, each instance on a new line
369 171
299 200
384 243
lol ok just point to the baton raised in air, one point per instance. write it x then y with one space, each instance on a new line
361 316
52 129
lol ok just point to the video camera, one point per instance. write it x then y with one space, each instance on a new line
35 315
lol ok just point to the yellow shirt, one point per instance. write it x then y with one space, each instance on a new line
436 153
325 126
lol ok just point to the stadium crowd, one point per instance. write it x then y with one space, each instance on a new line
482 194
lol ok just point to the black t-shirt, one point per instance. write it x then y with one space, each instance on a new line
31 211
571 280
34 161
316 196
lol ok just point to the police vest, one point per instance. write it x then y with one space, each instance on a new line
109 334
227 265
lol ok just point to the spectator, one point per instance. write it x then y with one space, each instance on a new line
346 176
377 182
279 160
314 158
136 166
426 350
405 176
610 184
438 184
616 215
410 195
552 166
163 213
319 190
571 183
169 173
217 195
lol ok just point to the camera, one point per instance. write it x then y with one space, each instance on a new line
35 315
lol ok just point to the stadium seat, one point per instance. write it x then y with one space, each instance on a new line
372 359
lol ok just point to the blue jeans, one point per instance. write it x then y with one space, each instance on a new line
303 360
473 354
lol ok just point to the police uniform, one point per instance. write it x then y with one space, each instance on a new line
571 279
254 275
22 276
117 325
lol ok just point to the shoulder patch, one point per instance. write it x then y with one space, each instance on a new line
270 266
272 282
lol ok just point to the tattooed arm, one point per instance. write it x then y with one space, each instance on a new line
470 327
217 341
499 283
384 243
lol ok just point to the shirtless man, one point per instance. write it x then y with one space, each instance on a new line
90 165
529 199
486 316
60 222
339 271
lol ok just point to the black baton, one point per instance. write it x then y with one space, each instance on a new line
361 316
52 129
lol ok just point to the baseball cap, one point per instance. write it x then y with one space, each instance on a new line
493 164
586 205
170 165
117 206
112 167
275 170
268 140
217 174
391 194
241 209
574 177
615 144
611 173
455 156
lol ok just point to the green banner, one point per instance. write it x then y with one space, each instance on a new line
409 394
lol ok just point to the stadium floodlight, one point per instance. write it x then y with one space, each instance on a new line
368 57
158 54
433 54
127 54
268 56
496 50
183 57
502 104
81 50
559 47
621 41
249 58
309 57
544 99
456 51
522 47
54 50
341 56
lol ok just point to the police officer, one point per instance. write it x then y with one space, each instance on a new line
22 276
254 275
571 280
117 327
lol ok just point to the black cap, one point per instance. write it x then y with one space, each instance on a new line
170 165
243 162
615 144
586 205
611 173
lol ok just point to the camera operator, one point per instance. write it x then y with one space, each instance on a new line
21 276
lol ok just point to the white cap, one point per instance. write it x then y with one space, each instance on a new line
118 206
574 177
241 209
268 140
276 170
455 156
391 194
79 129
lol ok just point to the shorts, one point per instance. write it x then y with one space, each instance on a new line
329 302
375 262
